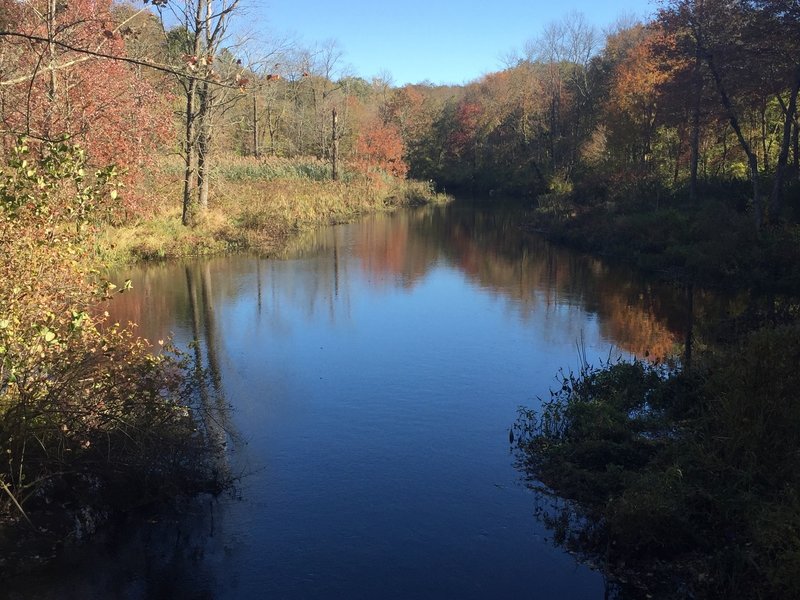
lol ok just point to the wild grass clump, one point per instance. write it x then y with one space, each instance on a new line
233 168
409 192
679 483
259 205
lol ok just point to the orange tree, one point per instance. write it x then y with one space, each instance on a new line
379 147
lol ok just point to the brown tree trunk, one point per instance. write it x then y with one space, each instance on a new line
191 162
190 156
256 152
203 175
206 98
752 159
334 145
694 142
783 157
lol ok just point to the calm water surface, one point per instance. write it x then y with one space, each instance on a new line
373 375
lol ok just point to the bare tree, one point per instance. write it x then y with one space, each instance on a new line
565 50
203 28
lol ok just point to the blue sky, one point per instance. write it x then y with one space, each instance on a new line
444 41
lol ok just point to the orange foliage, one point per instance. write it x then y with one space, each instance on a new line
641 75
103 105
408 109
380 146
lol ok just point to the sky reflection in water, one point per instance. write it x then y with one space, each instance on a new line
373 375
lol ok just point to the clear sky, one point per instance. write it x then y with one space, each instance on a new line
443 41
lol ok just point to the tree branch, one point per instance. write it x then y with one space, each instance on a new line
90 54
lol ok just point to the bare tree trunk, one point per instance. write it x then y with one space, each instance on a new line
554 111
752 159
203 174
191 162
190 155
205 27
678 147
271 129
783 157
335 145
256 152
695 138
204 145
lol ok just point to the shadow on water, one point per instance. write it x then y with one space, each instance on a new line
155 555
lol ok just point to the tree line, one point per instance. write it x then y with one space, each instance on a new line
703 95
134 83
700 98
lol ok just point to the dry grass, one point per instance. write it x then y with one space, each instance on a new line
257 211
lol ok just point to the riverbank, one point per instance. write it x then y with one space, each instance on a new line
255 205
709 242
92 423
681 483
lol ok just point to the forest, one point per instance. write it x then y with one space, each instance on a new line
132 131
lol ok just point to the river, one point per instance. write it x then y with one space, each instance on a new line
365 384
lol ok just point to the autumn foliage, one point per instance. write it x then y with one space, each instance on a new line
380 146
84 405
56 93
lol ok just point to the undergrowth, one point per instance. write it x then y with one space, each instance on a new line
678 483
91 420
256 205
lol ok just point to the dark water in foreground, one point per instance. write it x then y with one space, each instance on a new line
373 375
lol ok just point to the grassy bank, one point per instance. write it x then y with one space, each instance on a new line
681 483
256 205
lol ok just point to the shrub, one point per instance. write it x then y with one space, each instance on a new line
86 410
692 476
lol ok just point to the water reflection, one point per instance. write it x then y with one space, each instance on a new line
374 372
528 273
532 275
214 409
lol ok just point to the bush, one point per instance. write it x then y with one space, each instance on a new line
692 476
87 413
